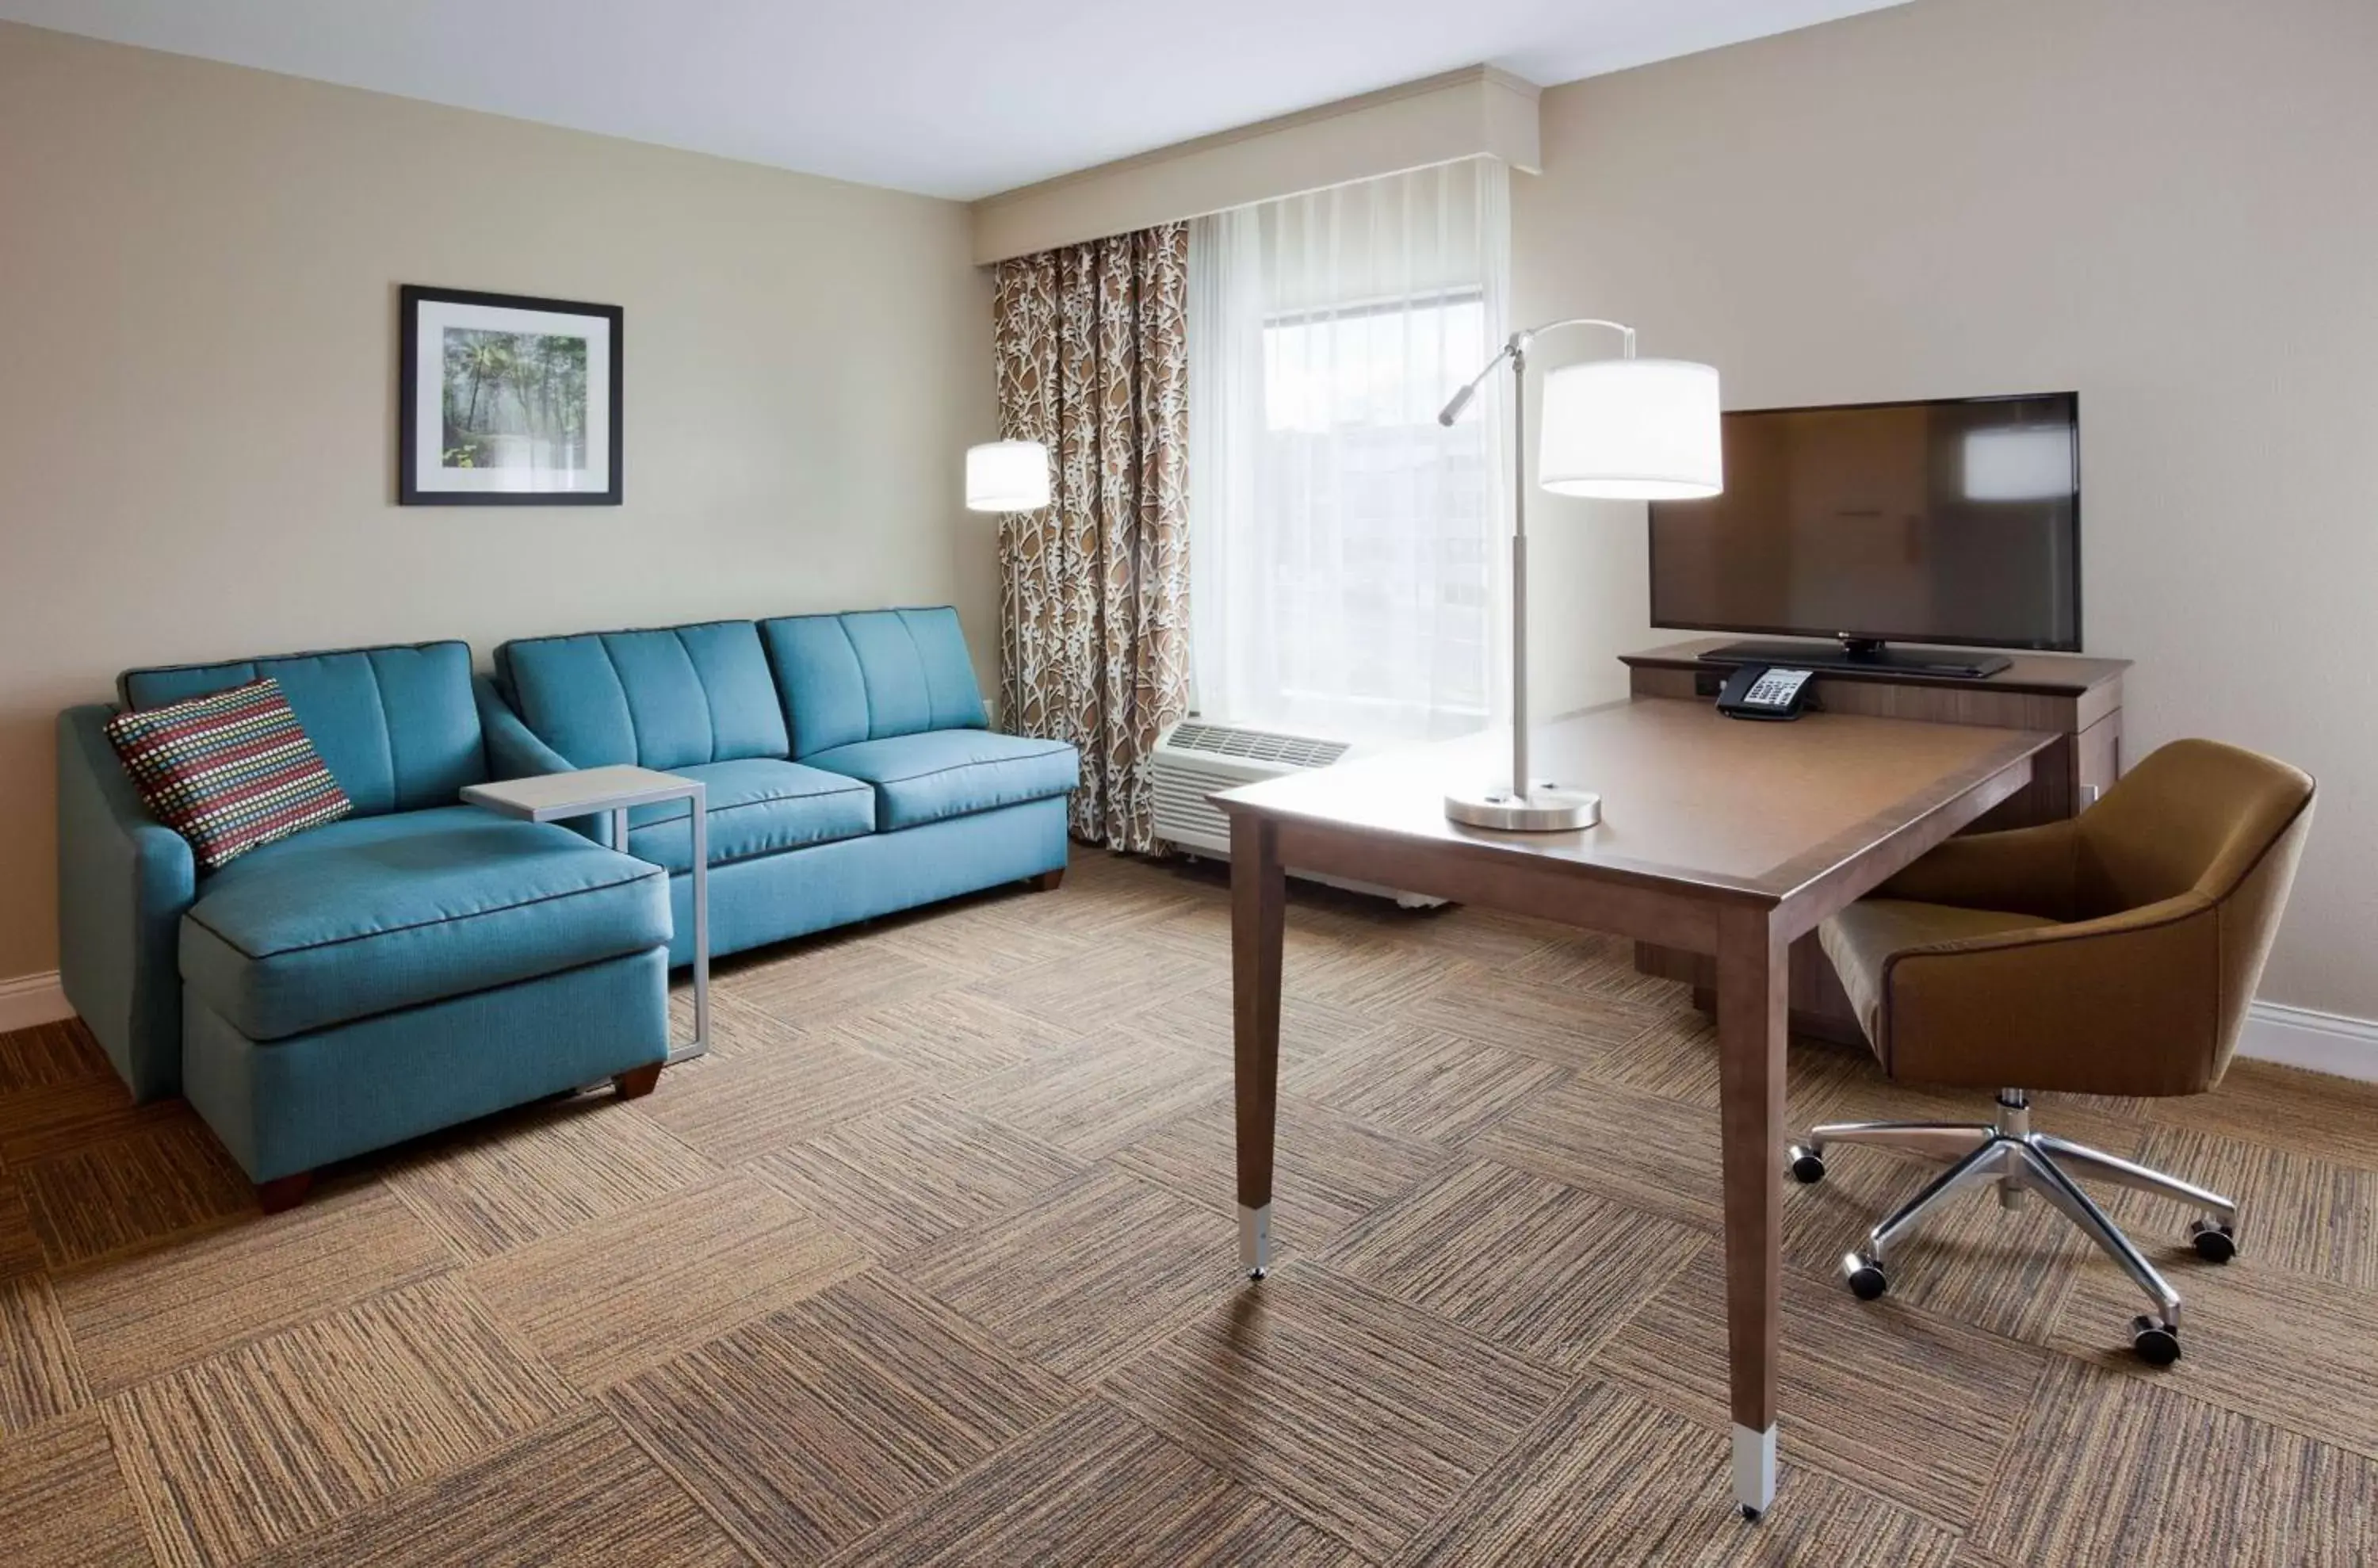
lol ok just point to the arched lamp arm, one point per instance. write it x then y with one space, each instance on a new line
1517 348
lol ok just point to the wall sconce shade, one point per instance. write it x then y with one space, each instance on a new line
1007 476
1631 429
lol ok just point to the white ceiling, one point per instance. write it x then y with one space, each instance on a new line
955 98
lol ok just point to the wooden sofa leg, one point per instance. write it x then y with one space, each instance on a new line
284 1193
1047 881
637 1082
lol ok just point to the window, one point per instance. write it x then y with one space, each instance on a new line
1343 559
1378 572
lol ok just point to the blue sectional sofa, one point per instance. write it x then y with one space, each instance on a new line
423 962
416 964
850 769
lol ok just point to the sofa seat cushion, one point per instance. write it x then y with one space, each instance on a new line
944 773
758 806
374 914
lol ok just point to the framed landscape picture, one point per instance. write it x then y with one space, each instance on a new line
503 400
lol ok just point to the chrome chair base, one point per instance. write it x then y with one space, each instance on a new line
2022 1161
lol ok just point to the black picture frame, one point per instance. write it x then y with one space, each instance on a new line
441 484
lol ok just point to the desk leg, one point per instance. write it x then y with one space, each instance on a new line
1753 981
1258 909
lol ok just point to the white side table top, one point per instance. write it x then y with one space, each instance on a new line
551 797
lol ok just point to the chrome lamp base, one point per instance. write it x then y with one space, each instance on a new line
1545 808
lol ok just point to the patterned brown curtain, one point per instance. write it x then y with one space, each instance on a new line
1094 607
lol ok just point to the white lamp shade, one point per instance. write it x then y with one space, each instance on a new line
1631 429
1007 476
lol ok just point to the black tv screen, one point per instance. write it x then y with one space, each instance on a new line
1953 522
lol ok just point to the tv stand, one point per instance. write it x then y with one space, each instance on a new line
1866 653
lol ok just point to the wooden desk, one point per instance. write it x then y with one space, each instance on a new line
1718 836
2079 701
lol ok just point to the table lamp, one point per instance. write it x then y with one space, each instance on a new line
1614 429
1007 476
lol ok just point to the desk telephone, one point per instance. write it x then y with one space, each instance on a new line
1760 691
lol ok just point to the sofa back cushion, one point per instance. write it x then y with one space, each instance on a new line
666 698
397 726
873 674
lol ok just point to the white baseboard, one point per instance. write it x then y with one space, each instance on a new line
33 998
2298 1037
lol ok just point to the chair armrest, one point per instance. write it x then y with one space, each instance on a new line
2128 1004
125 880
2032 871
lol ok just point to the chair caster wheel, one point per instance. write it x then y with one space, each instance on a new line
1750 1515
1256 1277
2216 1243
2156 1342
1808 1165
1866 1279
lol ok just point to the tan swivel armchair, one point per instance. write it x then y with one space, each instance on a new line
2111 954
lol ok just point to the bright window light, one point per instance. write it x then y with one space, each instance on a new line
2019 462
1377 576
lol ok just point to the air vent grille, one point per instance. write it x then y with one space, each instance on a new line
1258 745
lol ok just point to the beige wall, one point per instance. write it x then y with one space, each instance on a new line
2172 207
198 268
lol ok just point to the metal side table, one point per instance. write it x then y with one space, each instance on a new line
590 792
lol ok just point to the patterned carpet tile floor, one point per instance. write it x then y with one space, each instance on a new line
932 1260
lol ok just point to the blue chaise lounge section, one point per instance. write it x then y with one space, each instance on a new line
416 964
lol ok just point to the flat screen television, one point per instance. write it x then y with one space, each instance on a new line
1954 523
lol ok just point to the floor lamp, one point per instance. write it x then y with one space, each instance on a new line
1614 429
1007 476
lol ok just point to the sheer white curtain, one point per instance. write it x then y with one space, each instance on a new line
1345 548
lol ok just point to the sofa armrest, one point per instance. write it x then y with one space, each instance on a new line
125 880
515 752
513 749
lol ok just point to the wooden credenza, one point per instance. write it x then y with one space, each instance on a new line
2078 699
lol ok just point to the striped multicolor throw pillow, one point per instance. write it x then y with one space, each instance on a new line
230 771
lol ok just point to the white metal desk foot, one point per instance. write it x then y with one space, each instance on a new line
1754 1470
1254 1240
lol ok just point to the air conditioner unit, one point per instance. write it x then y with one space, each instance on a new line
1197 760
